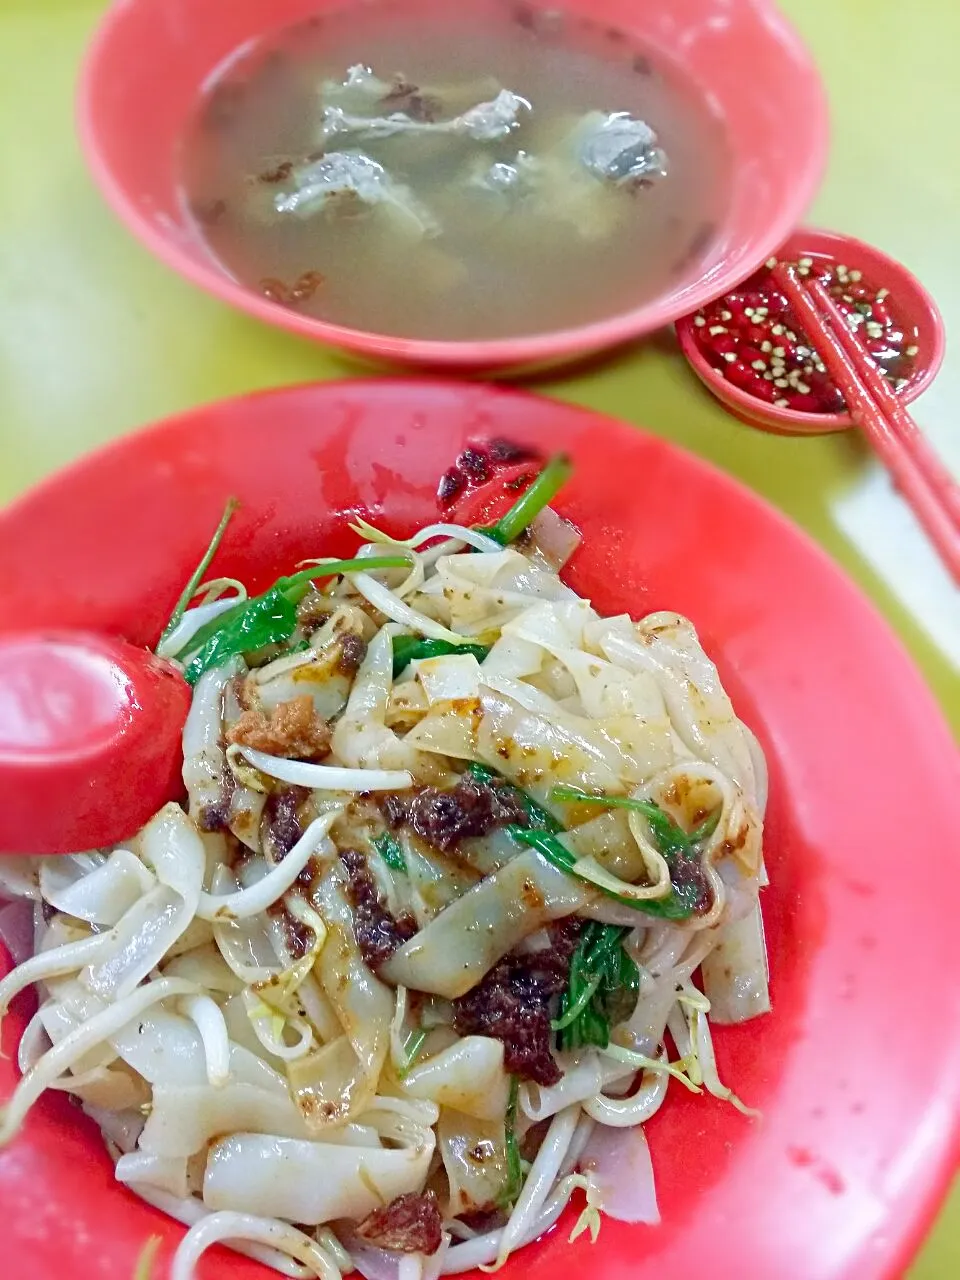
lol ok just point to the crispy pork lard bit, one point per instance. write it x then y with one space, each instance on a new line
350 174
620 149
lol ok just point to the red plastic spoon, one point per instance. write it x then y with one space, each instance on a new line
90 740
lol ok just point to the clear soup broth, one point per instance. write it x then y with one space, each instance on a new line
444 228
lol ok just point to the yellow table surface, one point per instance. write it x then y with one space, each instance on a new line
97 338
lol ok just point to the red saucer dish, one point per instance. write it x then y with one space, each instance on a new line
894 314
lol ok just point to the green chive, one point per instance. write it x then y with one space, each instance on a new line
672 907
532 501
298 584
513 1183
706 828
270 618
190 590
669 836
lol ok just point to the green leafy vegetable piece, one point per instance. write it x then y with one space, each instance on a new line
266 619
601 990
389 850
407 648
670 838
513 1183
675 844
532 501
190 590
538 817
672 907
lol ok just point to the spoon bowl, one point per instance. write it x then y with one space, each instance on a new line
90 739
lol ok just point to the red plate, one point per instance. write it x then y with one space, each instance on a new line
858 1068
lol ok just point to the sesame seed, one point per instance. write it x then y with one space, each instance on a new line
808 369
726 315
780 351
768 377
716 329
803 271
771 263
766 345
699 321
729 356
841 271
791 335
780 382
806 262
848 297
782 404
882 293
748 312
803 388
761 311
777 330
759 365
856 276
821 368
912 351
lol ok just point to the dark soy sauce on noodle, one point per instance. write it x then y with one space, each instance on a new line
492 266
